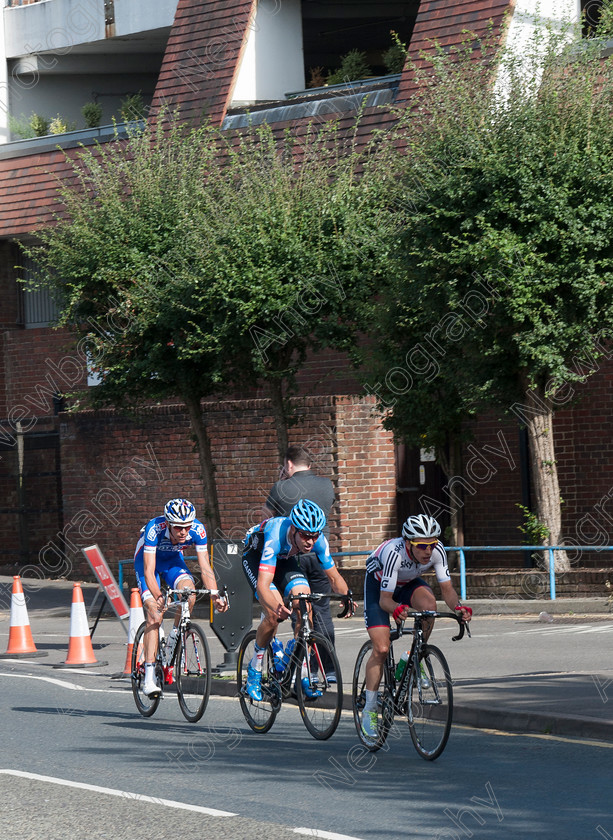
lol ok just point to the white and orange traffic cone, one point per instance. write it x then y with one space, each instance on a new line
21 643
137 616
80 650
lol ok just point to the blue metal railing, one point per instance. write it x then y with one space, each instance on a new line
550 549
461 549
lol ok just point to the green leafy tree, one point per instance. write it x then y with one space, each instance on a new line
191 263
295 237
503 298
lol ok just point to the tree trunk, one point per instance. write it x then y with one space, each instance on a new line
279 415
539 423
451 464
207 468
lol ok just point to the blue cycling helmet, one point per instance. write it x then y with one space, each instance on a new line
307 516
179 512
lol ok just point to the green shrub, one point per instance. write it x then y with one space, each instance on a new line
132 107
92 114
21 127
353 66
395 56
59 125
39 125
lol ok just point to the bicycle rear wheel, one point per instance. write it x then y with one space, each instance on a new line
385 703
319 691
259 714
430 708
145 705
193 673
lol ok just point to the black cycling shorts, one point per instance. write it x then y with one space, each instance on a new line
288 573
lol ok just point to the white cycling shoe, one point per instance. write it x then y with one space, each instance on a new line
150 686
370 724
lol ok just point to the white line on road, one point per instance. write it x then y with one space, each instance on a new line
326 835
124 794
61 683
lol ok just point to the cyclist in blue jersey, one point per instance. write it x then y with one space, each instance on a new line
159 554
393 586
271 563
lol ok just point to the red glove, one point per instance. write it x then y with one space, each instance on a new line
397 613
461 607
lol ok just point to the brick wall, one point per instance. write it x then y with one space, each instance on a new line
367 477
118 472
582 432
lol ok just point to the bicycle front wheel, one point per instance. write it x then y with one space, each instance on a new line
385 703
259 714
145 705
319 690
430 703
193 673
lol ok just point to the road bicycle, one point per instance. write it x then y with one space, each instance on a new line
420 690
188 666
312 672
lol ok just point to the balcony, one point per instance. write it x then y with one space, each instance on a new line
324 101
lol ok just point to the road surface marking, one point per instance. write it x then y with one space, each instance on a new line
325 835
124 794
61 683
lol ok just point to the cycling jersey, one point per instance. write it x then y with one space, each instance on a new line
392 566
169 561
272 536
155 535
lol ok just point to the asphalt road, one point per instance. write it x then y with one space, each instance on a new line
161 776
77 761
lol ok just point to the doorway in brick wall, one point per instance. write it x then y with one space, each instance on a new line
419 485
31 495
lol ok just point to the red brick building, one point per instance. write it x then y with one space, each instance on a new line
69 479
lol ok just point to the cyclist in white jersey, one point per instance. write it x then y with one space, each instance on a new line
393 586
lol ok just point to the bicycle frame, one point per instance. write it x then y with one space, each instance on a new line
190 656
312 672
423 693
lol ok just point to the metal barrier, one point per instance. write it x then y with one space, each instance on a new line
550 549
461 549
120 566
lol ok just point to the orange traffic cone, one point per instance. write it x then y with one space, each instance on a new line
21 642
137 616
80 650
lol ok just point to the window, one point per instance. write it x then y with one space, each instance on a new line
37 307
333 29
590 15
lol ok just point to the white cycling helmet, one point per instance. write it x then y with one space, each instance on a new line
421 527
179 512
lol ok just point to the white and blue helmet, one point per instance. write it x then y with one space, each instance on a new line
179 512
307 516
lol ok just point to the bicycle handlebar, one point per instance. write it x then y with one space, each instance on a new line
396 634
347 600
185 594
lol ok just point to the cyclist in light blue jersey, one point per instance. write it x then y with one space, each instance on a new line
271 564
159 554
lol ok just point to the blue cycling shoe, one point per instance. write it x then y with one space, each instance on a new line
253 686
309 691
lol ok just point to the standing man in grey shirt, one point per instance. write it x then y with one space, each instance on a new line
298 482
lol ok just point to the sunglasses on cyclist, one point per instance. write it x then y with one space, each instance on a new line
307 536
423 546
